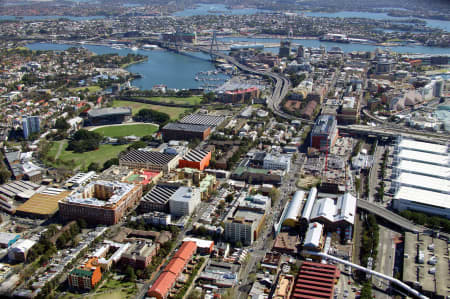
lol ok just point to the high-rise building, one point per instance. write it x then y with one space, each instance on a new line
324 133
439 85
244 223
301 51
285 48
30 124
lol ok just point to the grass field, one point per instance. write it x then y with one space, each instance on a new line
104 153
193 100
127 130
173 112
92 89
112 289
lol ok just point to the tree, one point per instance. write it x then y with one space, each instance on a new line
195 294
94 166
147 138
229 198
366 291
137 145
238 244
81 223
122 140
130 274
274 194
62 124
208 97
83 141
110 162
5 175
149 115
61 241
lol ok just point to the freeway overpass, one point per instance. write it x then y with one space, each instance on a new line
389 216
281 88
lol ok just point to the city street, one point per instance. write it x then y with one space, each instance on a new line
265 241
374 173
385 258
181 235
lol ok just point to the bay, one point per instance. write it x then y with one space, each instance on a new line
445 25
162 67
40 18
315 43
216 9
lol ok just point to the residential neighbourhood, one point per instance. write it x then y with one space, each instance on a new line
298 156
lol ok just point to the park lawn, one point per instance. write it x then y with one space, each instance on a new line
100 156
192 100
173 112
92 88
127 130
118 294
54 149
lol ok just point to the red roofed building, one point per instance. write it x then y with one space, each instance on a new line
315 281
161 288
240 95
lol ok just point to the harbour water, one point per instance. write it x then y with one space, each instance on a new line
162 67
315 43
445 25
38 18
216 9
179 71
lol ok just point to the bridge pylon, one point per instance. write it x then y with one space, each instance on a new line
178 40
214 48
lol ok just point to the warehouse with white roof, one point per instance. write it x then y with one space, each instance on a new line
420 146
421 182
294 208
408 198
422 157
436 171
421 177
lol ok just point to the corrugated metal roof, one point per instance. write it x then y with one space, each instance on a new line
295 206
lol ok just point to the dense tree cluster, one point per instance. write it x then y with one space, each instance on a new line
369 241
110 162
149 115
61 124
84 141
433 222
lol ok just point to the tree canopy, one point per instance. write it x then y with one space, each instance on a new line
84 141
149 115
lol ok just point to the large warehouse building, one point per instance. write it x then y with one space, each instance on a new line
198 159
105 116
193 126
179 131
316 281
149 160
292 214
421 177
